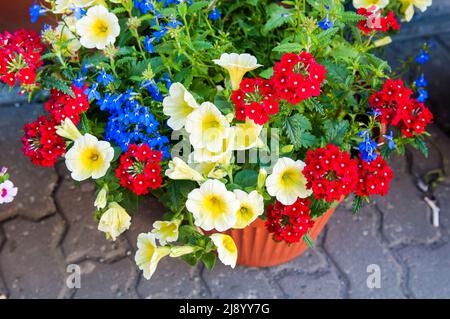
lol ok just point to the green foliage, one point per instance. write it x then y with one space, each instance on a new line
297 129
334 131
246 178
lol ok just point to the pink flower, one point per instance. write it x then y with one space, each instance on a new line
7 192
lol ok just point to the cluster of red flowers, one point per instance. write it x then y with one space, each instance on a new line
289 223
376 22
41 143
373 177
296 77
62 106
20 57
330 173
140 169
399 109
255 100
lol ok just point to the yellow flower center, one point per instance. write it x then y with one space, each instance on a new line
229 245
210 121
100 28
245 212
215 205
91 158
169 229
291 178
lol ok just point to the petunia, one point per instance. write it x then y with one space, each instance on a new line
178 105
370 3
148 254
226 249
166 231
179 170
7 192
237 65
68 130
114 221
251 206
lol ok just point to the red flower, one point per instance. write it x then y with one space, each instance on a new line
254 100
26 76
297 77
376 22
331 173
41 143
399 109
63 105
289 223
373 177
140 169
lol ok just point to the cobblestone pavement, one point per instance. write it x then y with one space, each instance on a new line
50 225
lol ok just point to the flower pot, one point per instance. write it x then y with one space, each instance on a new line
256 248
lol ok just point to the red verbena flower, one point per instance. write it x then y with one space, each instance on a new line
41 143
376 22
63 105
254 100
399 109
373 177
140 169
331 173
20 57
297 77
289 223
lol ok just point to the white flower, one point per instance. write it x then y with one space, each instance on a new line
101 199
114 221
89 157
178 251
246 135
178 105
7 192
287 182
207 127
211 169
213 206
66 36
66 6
370 3
68 130
178 169
251 206
148 254
222 155
408 7
383 41
166 231
98 28
226 249
237 65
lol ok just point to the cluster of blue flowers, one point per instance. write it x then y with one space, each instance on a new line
421 83
36 11
367 147
132 123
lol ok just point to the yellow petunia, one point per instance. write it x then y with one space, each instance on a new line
250 207
178 105
237 65
166 231
148 254
114 221
408 7
226 249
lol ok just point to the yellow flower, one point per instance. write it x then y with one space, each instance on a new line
262 175
178 251
148 254
251 206
222 155
237 65
178 105
287 181
246 135
114 221
67 38
98 28
211 169
101 199
213 206
207 127
226 249
68 130
178 169
166 231
89 157
408 7
383 41
66 6
370 3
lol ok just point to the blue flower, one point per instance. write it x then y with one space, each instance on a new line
374 113
85 68
326 23
158 35
105 78
153 89
174 23
45 28
390 139
368 147
421 81
167 80
422 58
79 81
92 92
148 44
36 11
214 14
155 20
78 12
423 95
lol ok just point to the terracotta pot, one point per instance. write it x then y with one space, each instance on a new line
256 248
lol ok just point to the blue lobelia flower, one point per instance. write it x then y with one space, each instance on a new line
374 112
36 11
148 44
422 58
368 147
326 23
105 78
79 81
214 14
167 80
155 20
78 12
158 35
174 23
144 6
423 95
153 90
421 81
390 139
92 92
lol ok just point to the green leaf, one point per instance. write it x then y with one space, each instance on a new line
324 37
358 202
197 6
296 127
350 16
246 178
318 207
117 152
335 131
209 259
53 83
419 144
130 201
288 47
308 240
267 73
202 45
278 16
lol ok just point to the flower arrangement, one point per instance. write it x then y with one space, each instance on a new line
227 111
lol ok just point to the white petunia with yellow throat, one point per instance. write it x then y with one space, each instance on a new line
226 249
178 105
